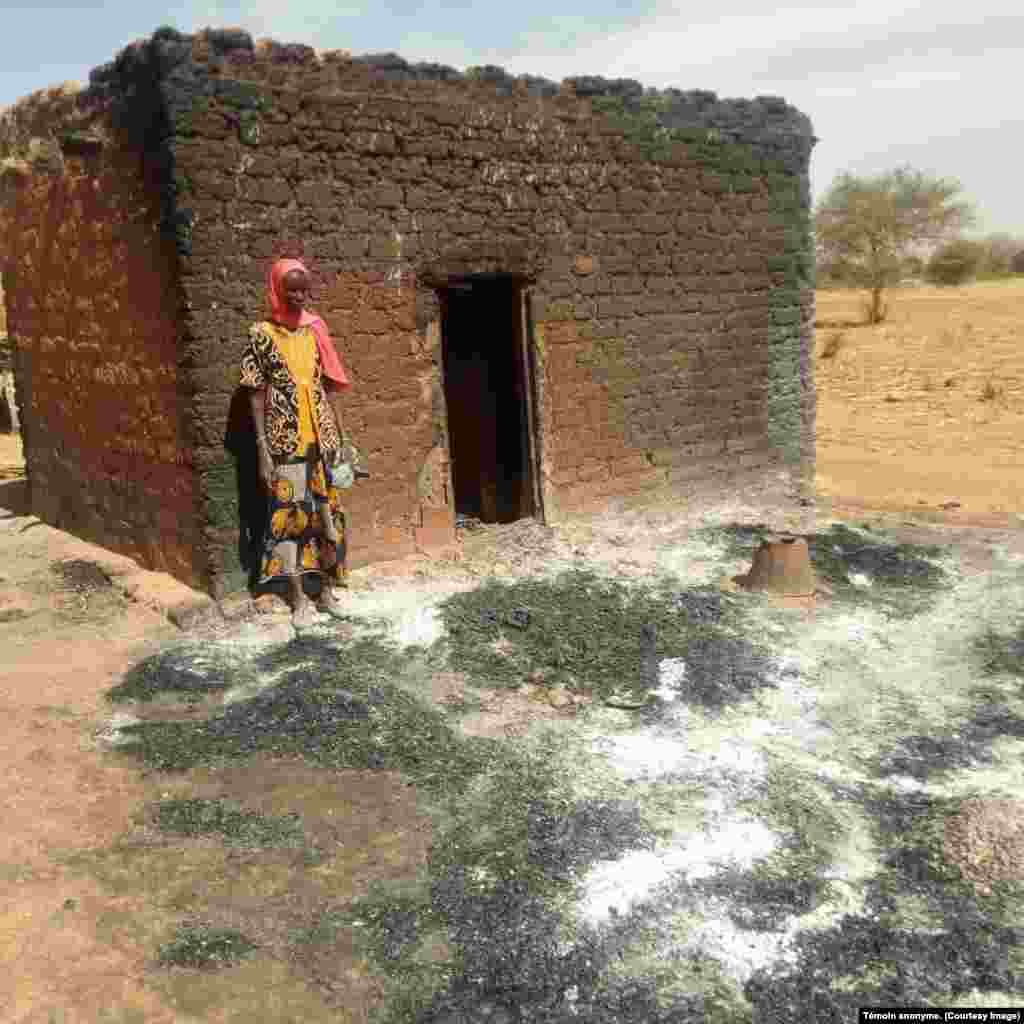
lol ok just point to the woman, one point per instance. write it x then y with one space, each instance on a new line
293 371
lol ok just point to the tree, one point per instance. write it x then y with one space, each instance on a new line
866 228
1017 264
956 262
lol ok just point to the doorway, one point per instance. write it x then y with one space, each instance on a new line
489 393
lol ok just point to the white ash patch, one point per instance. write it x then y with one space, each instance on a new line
422 628
647 755
739 951
737 842
254 637
642 755
671 673
732 840
408 615
728 837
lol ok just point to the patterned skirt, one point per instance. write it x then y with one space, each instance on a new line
306 524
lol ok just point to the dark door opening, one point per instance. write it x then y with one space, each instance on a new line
488 391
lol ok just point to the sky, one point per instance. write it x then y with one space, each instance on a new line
936 85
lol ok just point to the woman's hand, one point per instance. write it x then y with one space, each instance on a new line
265 464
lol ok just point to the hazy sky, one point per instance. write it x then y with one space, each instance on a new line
936 85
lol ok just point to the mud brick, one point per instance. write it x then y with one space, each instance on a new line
437 518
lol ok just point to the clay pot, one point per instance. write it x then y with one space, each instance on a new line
782 565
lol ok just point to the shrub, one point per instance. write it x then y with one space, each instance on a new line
989 393
955 263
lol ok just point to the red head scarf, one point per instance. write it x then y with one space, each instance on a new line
280 314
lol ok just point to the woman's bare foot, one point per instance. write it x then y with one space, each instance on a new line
304 615
329 602
302 608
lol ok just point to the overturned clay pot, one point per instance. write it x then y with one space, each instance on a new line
782 565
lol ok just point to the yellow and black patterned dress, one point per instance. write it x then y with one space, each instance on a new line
306 530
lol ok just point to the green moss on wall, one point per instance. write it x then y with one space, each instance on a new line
729 166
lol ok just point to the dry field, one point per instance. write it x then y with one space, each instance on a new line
927 407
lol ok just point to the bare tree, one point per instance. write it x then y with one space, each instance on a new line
866 228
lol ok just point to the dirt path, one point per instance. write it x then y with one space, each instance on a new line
65 951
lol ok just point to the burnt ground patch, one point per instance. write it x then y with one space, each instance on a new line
82 591
334 704
567 840
80 575
882 957
389 922
904 577
925 757
761 902
724 670
497 877
596 636
701 606
896 968
189 672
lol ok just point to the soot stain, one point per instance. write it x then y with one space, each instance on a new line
580 630
594 830
723 670
899 565
701 607
332 704
80 575
391 924
925 757
896 967
175 671
763 903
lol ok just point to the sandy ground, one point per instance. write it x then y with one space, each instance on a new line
903 418
76 943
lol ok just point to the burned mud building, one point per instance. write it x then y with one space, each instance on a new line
549 297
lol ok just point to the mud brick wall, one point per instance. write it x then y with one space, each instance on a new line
90 285
663 239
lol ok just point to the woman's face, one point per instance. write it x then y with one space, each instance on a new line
295 290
